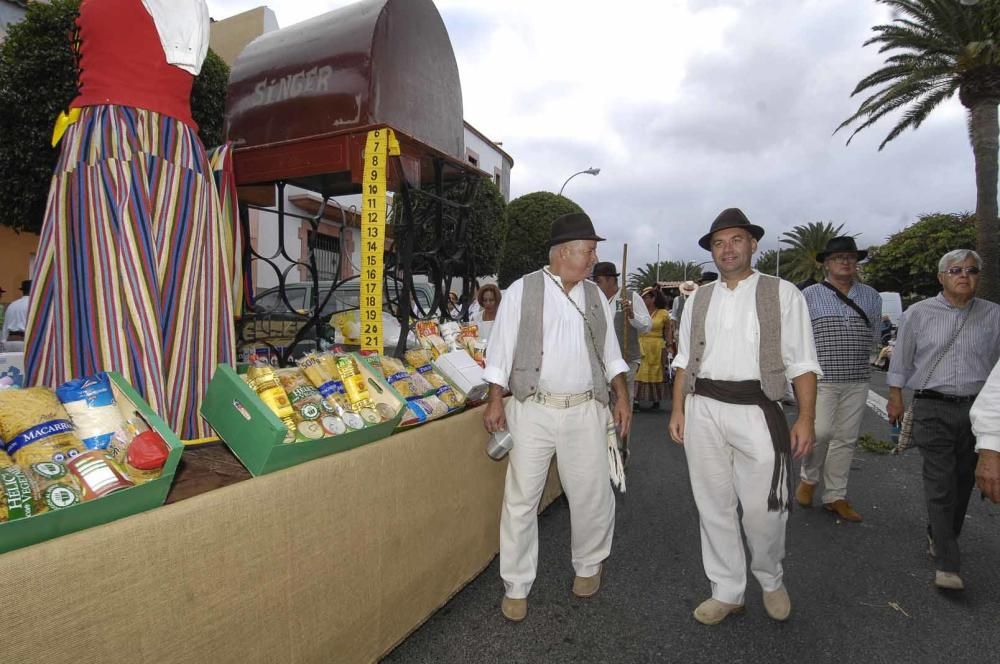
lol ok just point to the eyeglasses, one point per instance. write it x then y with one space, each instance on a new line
955 271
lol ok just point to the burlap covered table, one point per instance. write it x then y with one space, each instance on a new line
335 560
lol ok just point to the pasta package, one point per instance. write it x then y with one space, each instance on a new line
421 361
396 375
34 427
450 397
90 403
18 495
304 397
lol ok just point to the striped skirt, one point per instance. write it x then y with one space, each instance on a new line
135 267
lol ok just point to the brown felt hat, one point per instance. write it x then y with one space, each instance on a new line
605 269
730 218
573 226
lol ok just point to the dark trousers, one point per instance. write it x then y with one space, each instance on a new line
943 433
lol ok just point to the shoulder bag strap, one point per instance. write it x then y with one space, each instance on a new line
849 302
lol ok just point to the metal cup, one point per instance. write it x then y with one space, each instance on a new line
499 445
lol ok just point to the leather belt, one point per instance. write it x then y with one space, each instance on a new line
553 400
940 396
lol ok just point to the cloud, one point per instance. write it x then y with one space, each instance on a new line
691 106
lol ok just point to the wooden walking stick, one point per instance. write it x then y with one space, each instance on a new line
626 323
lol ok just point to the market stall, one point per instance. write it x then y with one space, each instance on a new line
338 559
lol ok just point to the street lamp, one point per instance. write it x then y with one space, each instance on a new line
589 171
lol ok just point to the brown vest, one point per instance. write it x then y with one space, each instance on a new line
772 367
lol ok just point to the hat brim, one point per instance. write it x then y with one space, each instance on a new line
562 239
755 231
823 255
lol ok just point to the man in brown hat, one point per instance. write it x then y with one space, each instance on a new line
741 338
846 317
553 344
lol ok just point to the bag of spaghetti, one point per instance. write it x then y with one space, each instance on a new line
34 427
397 375
18 495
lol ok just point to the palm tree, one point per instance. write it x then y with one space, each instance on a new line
669 271
941 47
805 241
767 261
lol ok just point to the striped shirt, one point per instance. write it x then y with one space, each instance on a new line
844 341
925 330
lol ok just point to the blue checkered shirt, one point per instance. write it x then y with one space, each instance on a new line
844 342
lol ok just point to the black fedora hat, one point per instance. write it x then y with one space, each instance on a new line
605 269
572 226
708 277
730 218
844 244
26 286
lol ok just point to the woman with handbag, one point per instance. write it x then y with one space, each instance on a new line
945 349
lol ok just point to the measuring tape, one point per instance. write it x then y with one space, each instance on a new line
381 144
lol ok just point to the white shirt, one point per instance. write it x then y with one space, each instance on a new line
732 333
641 319
15 319
985 413
183 29
565 360
485 326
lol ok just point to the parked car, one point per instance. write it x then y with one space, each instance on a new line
273 323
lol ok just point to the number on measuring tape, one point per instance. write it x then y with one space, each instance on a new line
380 145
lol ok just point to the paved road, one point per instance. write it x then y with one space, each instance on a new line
860 592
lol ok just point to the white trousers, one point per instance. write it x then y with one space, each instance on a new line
578 438
731 460
840 408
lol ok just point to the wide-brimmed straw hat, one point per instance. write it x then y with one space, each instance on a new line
688 287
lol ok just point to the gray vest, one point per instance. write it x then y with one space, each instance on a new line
528 351
772 367
623 327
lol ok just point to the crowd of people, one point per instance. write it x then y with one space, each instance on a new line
578 358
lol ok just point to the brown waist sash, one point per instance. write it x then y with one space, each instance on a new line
749 393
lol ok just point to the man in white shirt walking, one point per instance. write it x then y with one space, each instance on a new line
553 343
15 318
632 309
741 338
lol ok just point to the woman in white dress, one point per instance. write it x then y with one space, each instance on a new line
488 298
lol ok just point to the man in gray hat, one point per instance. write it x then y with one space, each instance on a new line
553 344
741 338
845 317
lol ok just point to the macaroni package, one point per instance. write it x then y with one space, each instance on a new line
34 427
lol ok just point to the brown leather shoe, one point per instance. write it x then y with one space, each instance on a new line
514 610
804 494
777 604
843 509
712 611
587 586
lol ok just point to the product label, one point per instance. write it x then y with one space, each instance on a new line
17 491
50 470
37 433
59 496
424 369
402 375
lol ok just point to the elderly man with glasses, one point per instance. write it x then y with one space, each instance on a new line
845 317
945 349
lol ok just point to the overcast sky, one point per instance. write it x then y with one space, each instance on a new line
689 107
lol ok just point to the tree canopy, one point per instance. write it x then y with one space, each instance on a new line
937 48
668 271
529 222
907 262
38 79
805 242
767 261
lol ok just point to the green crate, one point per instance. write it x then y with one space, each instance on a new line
32 530
255 434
